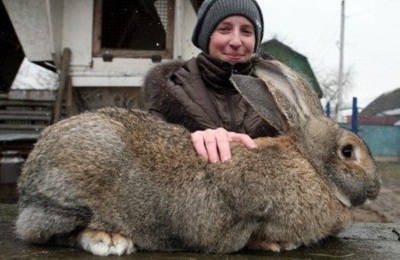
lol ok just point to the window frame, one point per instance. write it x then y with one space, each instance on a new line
98 51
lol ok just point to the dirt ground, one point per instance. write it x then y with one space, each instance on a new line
386 208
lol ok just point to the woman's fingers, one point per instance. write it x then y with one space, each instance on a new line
210 141
214 144
198 143
243 139
223 145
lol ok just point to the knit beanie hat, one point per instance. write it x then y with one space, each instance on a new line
212 12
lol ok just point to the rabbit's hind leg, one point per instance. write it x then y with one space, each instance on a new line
103 243
40 224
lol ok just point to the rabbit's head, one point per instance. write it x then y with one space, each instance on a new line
287 101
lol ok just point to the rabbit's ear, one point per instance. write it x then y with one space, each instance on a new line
281 96
293 94
256 93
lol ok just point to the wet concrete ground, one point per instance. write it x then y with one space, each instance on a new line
359 241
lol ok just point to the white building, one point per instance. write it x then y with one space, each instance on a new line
113 43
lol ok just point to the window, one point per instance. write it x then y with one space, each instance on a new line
133 28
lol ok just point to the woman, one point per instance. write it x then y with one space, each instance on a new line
198 94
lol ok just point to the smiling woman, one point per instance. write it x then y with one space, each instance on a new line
198 93
233 40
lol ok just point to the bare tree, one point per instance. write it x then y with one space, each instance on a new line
330 85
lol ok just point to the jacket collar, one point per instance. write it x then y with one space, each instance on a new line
216 73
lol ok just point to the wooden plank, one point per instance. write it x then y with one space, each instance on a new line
25 103
25 117
170 30
42 95
26 112
97 17
21 127
69 100
66 58
15 136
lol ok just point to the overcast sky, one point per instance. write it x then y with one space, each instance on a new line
372 39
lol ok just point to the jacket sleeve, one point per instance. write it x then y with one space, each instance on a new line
156 113
160 99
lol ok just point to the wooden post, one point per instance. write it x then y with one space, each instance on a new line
64 75
69 104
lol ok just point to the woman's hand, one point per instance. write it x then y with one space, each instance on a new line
214 144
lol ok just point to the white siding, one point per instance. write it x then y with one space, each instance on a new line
45 27
78 30
30 22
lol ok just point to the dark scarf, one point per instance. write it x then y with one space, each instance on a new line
216 73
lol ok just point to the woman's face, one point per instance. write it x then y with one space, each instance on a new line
233 40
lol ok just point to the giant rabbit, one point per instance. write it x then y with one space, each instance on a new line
115 181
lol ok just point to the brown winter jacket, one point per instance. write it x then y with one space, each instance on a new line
198 95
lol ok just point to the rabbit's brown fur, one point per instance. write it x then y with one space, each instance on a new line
135 177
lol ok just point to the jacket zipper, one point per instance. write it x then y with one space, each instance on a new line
231 108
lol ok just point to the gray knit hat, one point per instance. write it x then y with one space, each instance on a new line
211 12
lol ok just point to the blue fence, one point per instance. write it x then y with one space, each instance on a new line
381 140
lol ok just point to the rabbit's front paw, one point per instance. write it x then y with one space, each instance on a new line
102 243
271 246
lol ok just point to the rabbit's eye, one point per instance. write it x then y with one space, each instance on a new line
347 151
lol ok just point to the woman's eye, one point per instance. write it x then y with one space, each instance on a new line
248 31
223 29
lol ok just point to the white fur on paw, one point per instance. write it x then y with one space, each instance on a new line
103 244
265 245
274 247
121 245
290 246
